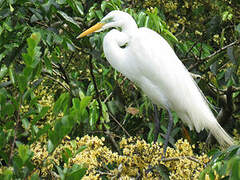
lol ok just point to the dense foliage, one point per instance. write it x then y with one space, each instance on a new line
65 112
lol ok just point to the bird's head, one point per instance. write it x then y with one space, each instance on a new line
113 19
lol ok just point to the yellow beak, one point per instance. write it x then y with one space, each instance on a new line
91 30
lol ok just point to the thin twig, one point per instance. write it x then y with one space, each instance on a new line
119 124
220 50
59 82
15 132
70 59
105 173
201 50
121 83
113 141
235 89
95 88
65 75
182 157
105 100
200 61
182 30
190 49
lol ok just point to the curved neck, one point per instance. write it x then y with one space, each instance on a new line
118 57
130 27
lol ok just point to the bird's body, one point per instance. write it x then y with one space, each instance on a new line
147 59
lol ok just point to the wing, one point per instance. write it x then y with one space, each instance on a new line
163 77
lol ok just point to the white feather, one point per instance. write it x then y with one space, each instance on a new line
151 63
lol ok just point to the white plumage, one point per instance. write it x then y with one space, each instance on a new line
147 59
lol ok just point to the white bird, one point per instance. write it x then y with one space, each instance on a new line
146 58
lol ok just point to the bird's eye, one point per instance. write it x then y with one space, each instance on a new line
124 45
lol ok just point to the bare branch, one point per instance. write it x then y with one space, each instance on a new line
15 131
119 124
96 89
201 61
183 157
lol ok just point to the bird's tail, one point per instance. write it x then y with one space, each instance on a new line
220 134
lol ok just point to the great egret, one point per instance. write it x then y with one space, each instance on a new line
146 58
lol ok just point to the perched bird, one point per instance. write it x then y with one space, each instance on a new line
146 58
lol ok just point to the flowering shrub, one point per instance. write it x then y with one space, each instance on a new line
138 159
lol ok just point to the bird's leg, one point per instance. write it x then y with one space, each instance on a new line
156 132
170 124
156 123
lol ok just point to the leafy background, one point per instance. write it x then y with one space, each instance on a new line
59 97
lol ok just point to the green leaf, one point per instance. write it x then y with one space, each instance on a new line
94 113
36 37
31 58
1 30
68 18
81 149
69 44
60 172
141 19
24 152
77 172
79 7
237 28
48 64
9 109
66 155
35 177
3 71
11 75
50 146
228 74
231 56
235 163
105 114
62 103
36 16
214 59
7 174
27 72
170 36
99 14
27 59
25 123
43 130
62 127
7 26
22 82
84 103
43 112
76 103
103 5
163 171
3 95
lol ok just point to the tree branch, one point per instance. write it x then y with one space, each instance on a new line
201 61
96 89
183 157
15 132
119 124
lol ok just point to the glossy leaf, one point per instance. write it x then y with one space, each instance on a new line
68 18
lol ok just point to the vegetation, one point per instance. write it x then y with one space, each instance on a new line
65 113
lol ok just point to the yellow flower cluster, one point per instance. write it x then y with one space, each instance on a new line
41 159
44 95
218 39
135 161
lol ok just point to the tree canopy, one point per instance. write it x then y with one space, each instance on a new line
65 113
